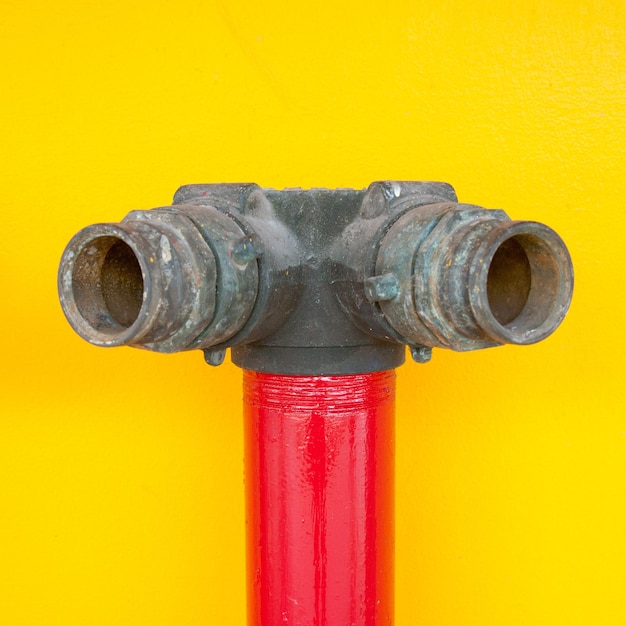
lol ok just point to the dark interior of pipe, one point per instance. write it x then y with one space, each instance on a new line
122 284
108 284
509 281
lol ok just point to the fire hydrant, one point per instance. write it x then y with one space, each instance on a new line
317 292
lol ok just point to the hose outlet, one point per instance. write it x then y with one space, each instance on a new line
471 278
165 280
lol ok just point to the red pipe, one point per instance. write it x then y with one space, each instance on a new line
320 499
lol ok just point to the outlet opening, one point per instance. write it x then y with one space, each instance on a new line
509 281
108 284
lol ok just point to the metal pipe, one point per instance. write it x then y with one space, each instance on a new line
319 464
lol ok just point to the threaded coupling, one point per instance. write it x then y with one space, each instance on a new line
164 279
463 277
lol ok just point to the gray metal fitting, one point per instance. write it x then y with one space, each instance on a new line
453 275
471 278
174 278
316 281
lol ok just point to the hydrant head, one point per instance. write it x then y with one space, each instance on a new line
316 281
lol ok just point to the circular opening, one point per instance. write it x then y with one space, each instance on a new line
508 281
528 285
107 284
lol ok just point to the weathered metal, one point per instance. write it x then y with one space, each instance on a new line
175 278
316 281
455 276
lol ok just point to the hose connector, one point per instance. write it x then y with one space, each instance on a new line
462 277
151 281
180 277
318 281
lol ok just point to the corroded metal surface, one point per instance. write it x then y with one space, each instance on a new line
316 281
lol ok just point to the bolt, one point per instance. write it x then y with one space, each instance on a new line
246 249
214 357
421 354
258 205
374 203
385 287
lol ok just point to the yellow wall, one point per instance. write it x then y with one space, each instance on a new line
121 496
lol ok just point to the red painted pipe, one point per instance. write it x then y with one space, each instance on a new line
320 499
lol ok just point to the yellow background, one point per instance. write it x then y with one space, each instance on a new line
121 489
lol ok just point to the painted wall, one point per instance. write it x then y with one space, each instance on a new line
121 491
